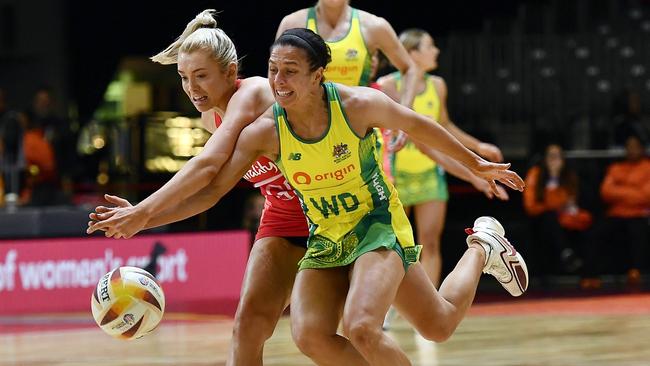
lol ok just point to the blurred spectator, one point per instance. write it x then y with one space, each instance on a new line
42 113
11 157
628 119
558 224
57 131
626 191
41 185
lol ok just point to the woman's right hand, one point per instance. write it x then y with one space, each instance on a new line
121 221
103 212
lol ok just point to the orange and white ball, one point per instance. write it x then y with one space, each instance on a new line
128 303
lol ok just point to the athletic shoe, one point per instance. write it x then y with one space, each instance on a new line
502 260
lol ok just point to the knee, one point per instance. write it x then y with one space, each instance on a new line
309 340
430 240
437 332
254 323
363 334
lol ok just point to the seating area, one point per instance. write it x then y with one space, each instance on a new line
540 75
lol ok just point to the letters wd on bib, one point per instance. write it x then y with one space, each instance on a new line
200 272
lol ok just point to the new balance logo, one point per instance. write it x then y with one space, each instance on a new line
294 156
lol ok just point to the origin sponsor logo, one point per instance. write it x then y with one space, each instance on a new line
342 70
302 178
143 281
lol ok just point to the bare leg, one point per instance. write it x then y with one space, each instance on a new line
392 311
266 289
430 220
316 302
435 315
374 281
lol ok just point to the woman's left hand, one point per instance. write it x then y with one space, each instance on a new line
484 186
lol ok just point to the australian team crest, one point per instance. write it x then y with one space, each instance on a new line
351 54
341 152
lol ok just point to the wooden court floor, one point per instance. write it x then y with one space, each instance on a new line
611 330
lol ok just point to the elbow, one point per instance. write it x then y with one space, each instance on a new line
210 172
208 167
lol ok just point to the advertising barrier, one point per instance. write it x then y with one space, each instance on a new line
199 272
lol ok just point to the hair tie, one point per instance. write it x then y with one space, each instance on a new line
302 41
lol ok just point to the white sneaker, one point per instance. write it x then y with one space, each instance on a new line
388 319
503 261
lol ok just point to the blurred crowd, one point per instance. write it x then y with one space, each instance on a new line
592 234
37 152
570 239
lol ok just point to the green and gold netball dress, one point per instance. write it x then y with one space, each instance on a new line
350 205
